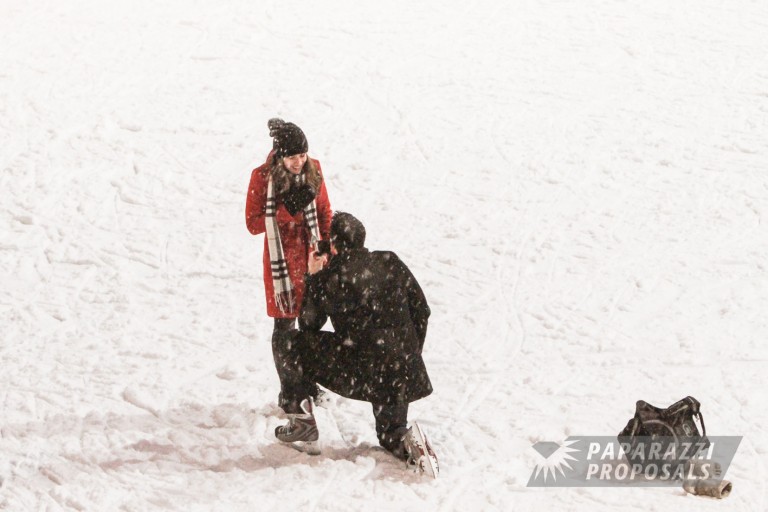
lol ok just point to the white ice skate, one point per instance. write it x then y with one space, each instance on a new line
421 456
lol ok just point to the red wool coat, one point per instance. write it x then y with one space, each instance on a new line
294 233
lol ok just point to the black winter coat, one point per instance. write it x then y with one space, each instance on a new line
379 315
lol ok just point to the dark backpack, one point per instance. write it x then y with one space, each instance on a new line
663 427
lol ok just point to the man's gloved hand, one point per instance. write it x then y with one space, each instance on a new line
297 198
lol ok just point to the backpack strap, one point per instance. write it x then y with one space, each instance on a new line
701 420
692 405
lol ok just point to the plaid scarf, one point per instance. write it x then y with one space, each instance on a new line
285 298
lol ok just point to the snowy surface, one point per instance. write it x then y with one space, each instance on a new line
580 187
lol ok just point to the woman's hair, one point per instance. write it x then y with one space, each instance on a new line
282 177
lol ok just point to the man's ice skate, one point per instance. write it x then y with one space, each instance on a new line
301 430
421 456
323 398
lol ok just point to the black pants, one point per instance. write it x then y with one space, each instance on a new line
305 359
293 387
391 426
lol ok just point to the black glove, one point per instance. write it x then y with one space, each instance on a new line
323 247
297 198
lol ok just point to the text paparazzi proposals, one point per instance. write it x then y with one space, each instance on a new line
602 461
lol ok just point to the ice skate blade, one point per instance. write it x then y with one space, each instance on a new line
427 463
308 447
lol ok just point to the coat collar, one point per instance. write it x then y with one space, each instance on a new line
346 255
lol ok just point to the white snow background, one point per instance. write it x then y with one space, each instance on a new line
580 188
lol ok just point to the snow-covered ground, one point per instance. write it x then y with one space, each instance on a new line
580 187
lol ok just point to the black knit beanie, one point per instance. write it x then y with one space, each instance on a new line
288 139
347 232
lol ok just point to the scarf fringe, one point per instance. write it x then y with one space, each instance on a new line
286 302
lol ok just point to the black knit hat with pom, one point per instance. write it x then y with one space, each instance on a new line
288 139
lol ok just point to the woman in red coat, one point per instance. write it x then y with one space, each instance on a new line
287 201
